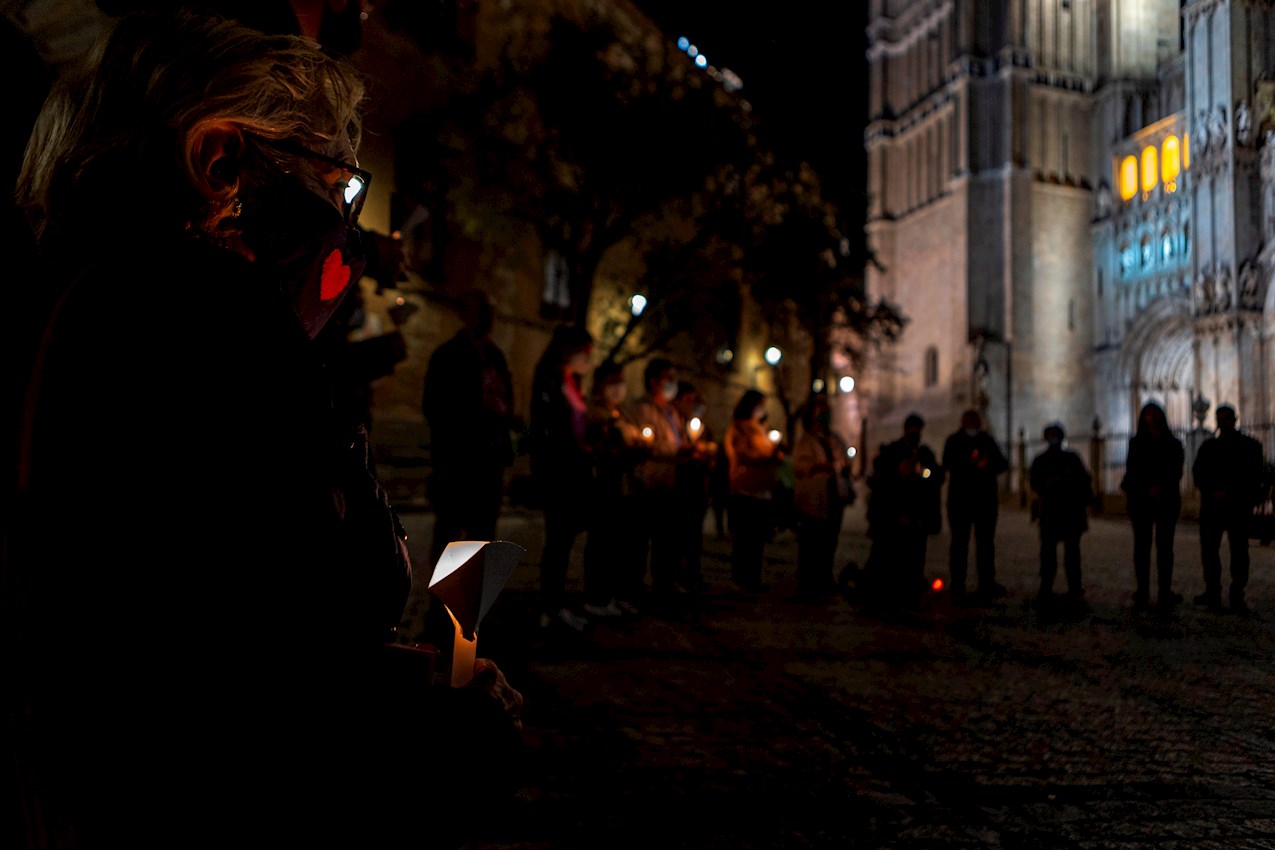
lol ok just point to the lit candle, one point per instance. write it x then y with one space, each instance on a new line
696 426
648 434
774 435
464 653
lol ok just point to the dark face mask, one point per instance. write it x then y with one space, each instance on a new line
303 243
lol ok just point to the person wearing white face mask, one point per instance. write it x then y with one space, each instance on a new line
655 477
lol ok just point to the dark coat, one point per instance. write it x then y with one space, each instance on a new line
1063 485
234 569
906 484
1228 470
468 402
972 465
1153 475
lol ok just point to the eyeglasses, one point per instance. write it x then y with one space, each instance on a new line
357 180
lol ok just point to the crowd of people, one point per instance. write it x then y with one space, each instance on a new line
907 479
635 478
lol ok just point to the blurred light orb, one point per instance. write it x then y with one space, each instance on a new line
846 384
683 43
647 433
637 304
696 423
773 355
925 473
701 61
937 584
817 385
725 355
774 435
851 452
692 51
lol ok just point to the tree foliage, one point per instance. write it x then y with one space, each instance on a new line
645 175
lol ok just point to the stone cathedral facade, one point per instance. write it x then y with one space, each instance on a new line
1074 203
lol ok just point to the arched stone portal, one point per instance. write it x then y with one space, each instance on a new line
1157 363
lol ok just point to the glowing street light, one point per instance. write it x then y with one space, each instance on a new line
773 355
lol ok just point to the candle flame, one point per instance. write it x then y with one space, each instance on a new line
774 436
937 584
647 433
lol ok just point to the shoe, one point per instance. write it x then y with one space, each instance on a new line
1212 601
572 620
564 617
611 609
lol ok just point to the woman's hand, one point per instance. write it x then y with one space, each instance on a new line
489 678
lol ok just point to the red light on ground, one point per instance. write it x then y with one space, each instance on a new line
937 584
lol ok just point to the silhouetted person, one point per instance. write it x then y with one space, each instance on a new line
468 400
1063 486
823 491
561 462
972 461
903 511
1228 471
1152 478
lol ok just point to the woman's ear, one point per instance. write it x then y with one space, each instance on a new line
214 154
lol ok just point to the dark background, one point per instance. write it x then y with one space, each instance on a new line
805 73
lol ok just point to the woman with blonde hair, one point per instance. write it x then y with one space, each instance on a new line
205 660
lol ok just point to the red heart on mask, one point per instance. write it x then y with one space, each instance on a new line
336 276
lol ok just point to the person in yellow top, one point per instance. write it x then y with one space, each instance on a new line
754 460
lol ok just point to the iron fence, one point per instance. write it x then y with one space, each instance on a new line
1105 454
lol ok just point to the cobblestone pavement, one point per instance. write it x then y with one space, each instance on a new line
761 722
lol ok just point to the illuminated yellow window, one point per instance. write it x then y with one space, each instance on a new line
1150 173
1169 164
1186 151
1128 178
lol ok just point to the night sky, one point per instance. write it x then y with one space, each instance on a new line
804 72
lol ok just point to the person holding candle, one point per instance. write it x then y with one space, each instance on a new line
903 511
694 471
824 490
234 585
754 456
655 482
